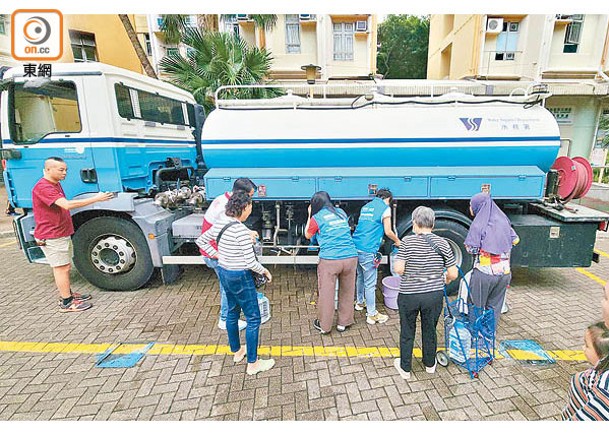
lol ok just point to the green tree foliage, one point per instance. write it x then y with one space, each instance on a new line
218 59
403 41
173 26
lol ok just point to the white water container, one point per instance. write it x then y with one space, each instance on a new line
459 342
265 308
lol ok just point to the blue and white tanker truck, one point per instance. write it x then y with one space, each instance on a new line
150 142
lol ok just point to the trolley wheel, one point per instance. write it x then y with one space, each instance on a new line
442 358
476 375
490 363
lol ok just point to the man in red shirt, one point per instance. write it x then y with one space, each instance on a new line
54 229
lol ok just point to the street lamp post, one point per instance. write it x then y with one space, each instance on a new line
311 74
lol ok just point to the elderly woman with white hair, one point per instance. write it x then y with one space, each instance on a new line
426 263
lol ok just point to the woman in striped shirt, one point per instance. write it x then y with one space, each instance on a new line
236 262
589 390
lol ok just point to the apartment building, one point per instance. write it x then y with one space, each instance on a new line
567 52
343 46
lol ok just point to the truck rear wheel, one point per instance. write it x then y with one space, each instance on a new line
112 253
455 233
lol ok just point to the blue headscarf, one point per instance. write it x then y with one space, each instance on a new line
491 229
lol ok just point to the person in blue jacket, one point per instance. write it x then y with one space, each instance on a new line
337 260
374 223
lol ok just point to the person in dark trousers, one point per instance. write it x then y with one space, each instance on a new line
54 229
236 262
426 263
216 213
374 222
490 240
337 261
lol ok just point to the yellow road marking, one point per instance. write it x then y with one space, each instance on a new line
590 275
601 253
4 245
275 351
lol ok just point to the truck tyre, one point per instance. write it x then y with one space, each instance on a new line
112 253
455 233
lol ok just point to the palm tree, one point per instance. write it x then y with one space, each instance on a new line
173 26
135 42
218 59
262 23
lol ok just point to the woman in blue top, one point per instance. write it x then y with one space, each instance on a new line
337 260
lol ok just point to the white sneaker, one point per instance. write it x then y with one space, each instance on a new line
431 369
360 307
262 366
403 374
222 324
377 318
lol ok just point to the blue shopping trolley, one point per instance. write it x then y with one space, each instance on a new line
469 335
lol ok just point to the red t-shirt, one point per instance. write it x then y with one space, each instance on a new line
52 221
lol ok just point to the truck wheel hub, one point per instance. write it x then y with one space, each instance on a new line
113 255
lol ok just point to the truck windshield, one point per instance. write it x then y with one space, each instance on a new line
36 111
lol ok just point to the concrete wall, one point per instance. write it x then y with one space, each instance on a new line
582 127
276 43
451 54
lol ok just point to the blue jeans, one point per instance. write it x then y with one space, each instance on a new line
212 263
241 295
365 284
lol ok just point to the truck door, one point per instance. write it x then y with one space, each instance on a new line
47 118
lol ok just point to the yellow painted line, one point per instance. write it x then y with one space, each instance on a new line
601 253
4 245
275 351
590 275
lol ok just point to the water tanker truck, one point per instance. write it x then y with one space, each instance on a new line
150 143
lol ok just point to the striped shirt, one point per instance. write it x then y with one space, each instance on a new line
588 396
235 251
424 268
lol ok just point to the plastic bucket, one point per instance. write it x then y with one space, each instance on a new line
391 287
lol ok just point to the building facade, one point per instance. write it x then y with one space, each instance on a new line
344 46
567 52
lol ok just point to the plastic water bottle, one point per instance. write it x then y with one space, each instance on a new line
392 258
459 342
265 307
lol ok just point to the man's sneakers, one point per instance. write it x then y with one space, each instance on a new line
360 306
403 374
377 318
317 326
74 305
222 324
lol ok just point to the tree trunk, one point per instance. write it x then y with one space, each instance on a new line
208 22
135 42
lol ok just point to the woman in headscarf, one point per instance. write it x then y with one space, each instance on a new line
490 239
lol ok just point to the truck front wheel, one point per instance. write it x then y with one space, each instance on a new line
112 253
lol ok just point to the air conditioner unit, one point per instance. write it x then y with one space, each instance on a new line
509 56
305 17
243 17
513 27
494 25
361 26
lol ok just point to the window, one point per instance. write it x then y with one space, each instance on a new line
137 104
507 41
173 51
38 112
148 44
573 33
231 25
83 46
343 40
562 114
3 24
191 21
292 33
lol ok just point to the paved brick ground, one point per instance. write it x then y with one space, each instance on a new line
552 306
